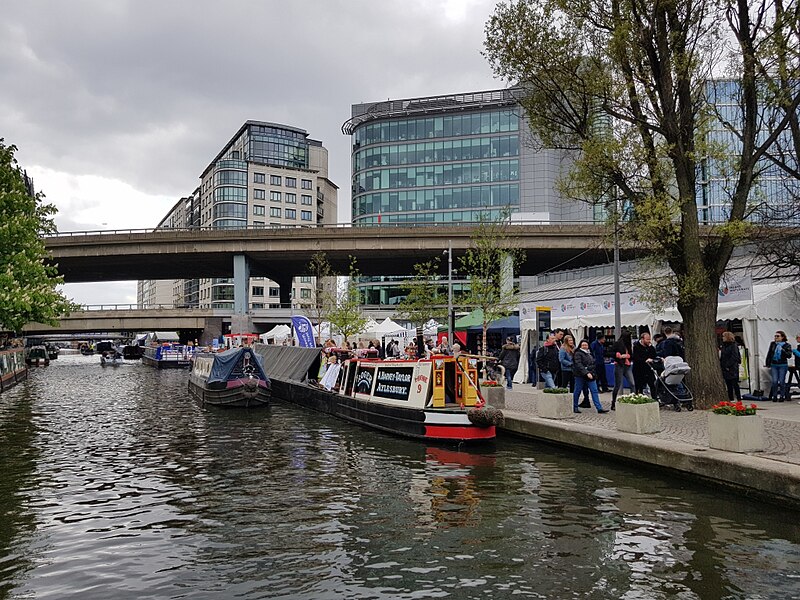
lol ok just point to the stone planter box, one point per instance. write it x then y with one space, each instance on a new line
736 434
638 418
495 395
554 406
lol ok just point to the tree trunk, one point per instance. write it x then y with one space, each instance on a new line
699 322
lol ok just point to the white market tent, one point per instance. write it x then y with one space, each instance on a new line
386 328
775 305
276 334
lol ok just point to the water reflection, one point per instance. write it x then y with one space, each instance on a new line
120 482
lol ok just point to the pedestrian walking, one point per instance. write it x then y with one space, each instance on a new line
584 370
642 357
565 360
509 358
778 362
729 361
598 347
622 365
547 361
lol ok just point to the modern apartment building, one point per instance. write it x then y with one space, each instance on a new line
453 159
267 175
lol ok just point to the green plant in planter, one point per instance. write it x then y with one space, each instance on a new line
489 383
736 409
635 399
556 390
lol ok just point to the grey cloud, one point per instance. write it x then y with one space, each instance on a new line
147 92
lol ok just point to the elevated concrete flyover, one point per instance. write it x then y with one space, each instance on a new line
162 319
280 253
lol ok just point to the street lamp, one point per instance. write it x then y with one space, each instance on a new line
450 320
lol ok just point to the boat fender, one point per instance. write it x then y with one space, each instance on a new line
250 388
484 417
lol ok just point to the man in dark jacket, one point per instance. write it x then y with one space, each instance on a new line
598 347
547 361
672 345
643 356
509 358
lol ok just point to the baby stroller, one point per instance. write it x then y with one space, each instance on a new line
670 389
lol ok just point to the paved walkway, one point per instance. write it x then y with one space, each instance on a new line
781 423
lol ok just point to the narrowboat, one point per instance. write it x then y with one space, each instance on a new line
52 351
232 378
168 356
434 399
36 355
12 367
132 352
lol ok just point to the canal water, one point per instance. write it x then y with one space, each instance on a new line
114 483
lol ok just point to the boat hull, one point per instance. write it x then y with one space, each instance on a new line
166 364
439 425
12 368
233 395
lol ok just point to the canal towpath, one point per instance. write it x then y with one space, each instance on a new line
681 445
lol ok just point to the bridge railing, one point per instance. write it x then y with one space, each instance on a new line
423 225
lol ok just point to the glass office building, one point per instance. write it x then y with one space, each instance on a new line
451 159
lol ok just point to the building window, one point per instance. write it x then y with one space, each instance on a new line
274 179
305 293
258 290
274 292
258 210
257 305
305 279
290 213
305 215
235 154
306 184
274 212
275 196
258 223
291 198
305 199
258 178
259 194
291 182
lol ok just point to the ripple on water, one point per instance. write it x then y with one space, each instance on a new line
117 484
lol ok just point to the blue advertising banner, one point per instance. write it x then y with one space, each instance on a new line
304 331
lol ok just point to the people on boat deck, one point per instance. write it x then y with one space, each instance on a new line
444 346
328 380
456 350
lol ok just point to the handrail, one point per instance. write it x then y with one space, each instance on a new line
335 226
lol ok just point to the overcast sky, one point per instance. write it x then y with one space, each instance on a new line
118 106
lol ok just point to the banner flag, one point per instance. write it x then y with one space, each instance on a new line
304 331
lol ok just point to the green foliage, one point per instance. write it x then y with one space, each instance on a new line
426 299
556 390
623 88
490 263
27 284
345 314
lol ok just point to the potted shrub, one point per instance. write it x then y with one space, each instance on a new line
493 393
638 413
735 427
555 403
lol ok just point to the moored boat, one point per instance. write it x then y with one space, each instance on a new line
36 355
168 356
434 399
234 378
12 367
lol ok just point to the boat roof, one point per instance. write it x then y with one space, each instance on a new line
226 362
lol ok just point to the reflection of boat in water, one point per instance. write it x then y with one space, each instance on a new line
434 399
168 356
37 355
233 378
132 352
12 367
110 359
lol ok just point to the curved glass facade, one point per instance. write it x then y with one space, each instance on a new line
437 169
277 146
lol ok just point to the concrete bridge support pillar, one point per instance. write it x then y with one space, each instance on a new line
240 320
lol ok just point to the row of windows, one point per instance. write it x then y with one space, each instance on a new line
276 292
230 178
230 194
465 216
276 131
495 121
291 182
289 197
430 152
438 199
288 213
230 210
280 151
409 177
